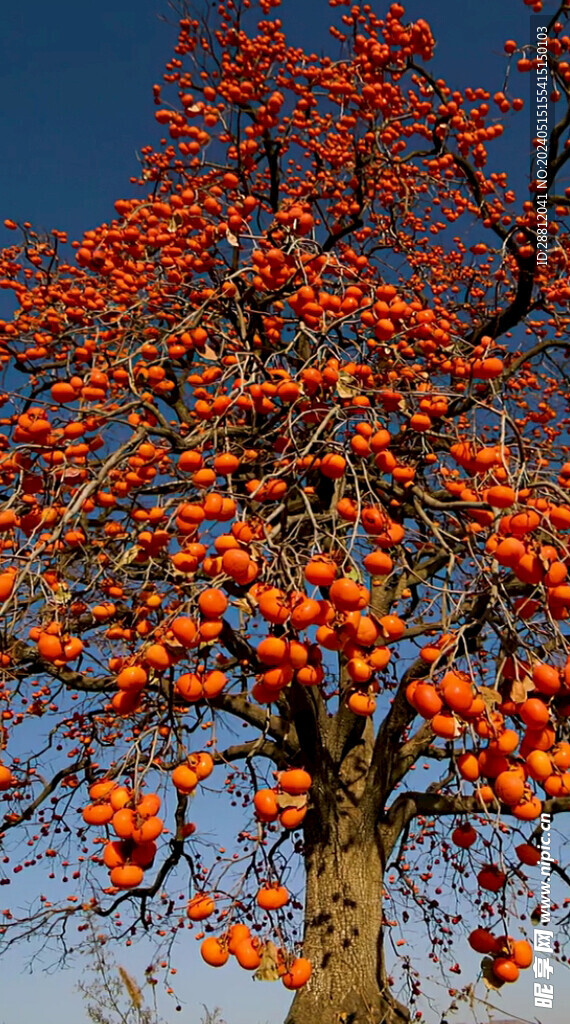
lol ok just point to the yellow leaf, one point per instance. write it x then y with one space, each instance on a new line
535 917
346 386
245 605
353 574
268 970
489 696
61 593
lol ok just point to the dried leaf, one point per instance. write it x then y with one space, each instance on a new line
244 604
346 386
174 647
489 696
127 557
353 574
60 593
489 978
520 689
231 239
287 800
268 968
209 354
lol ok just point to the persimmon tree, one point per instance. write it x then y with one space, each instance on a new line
285 514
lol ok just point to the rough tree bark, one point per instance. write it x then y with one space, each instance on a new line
346 852
343 933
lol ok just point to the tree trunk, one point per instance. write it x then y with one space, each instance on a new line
343 932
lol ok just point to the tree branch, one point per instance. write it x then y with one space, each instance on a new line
260 718
258 748
410 805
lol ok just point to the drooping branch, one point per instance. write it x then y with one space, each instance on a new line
13 820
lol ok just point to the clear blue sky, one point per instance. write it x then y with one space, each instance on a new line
76 85
77 104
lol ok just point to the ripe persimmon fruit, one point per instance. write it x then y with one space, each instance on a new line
126 876
295 781
247 952
214 951
200 907
272 896
505 969
297 973
212 603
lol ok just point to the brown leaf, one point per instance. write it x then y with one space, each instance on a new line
287 800
174 647
209 354
244 604
268 968
489 696
520 689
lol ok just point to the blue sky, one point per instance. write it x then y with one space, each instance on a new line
76 82
77 104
